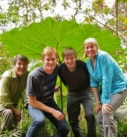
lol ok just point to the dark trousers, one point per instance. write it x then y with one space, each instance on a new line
74 102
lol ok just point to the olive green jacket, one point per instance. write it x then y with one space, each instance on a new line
11 87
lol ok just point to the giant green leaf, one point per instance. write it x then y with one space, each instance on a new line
32 39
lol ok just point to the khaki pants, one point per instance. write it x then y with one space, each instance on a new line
106 122
7 122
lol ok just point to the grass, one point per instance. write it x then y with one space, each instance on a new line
48 130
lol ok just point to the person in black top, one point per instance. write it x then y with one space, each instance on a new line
75 77
40 90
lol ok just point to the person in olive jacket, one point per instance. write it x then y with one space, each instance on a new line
12 85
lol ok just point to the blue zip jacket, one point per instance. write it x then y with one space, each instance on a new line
106 75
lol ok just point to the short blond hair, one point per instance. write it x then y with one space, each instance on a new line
92 41
49 51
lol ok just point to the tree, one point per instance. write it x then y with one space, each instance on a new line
33 31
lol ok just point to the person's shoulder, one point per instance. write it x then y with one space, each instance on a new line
9 73
81 63
35 71
103 53
61 66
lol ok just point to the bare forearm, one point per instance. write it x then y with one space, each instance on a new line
41 106
14 110
95 92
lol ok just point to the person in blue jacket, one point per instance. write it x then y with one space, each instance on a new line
108 84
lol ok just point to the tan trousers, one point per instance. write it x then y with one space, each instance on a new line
7 122
107 122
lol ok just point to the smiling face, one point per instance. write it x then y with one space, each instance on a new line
69 57
50 62
70 62
91 47
20 67
90 50
49 59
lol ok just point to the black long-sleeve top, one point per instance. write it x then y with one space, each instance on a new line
77 80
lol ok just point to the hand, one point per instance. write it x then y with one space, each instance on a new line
98 107
58 115
106 108
57 88
17 117
17 114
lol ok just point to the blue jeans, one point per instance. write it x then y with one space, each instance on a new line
38 119
74 102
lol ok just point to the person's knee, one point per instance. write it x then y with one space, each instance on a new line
8 118
99 116
39 121
90 119
65 128
8 113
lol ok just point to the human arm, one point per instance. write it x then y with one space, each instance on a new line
10 92
16 112
10 88
107 77
94 84
97 100
61 69
106 108
39 105
5 93
57 88
101 76
106 71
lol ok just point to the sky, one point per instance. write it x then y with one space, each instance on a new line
85 4
59 10
4 4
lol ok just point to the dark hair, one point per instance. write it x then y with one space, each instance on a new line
20 57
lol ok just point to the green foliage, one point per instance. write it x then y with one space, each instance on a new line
32 39
5 60
122 128
100 7
122 59
122 1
